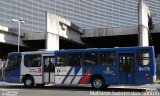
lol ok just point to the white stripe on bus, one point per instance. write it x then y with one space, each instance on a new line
69 78
77 78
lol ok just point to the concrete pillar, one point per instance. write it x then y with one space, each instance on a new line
143 36
52 42
52 33
143 20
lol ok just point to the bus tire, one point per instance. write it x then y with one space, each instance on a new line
98 83
28 82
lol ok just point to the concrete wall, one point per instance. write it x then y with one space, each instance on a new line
156 28
34 36
8 37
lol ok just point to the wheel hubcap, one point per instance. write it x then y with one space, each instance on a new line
28 82
97 83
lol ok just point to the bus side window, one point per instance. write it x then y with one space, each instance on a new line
108 58
61 60
90 59
74 59
14 62
143 57
32 60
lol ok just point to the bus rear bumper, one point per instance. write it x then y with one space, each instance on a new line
145 80
154 78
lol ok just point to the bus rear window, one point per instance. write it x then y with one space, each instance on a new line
32 60
143 57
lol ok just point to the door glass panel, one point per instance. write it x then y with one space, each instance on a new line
130 62
126 68
122 64
49 64
126 62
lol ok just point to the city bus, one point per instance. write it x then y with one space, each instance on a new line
99 67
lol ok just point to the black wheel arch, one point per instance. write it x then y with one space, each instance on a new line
96 75
27 76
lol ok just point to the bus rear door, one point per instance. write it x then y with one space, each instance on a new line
126 68
48 68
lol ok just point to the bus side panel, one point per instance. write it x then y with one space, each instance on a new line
144 75
35 72
109 74
12 75
111 80
143 80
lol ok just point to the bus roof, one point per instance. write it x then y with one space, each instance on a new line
33 52
106 49
84 50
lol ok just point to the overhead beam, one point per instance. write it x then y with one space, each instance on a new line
101 32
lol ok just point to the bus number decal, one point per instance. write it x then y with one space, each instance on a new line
144 68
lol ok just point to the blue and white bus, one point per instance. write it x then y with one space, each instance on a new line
99 67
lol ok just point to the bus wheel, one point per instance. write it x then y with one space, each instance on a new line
28 82
98 83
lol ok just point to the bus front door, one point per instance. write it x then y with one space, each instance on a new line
126 68
49 69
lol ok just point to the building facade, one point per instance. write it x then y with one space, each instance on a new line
84 13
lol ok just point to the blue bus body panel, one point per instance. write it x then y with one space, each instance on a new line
126 78
12 76
110 73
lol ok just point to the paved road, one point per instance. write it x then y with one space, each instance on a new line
19 90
